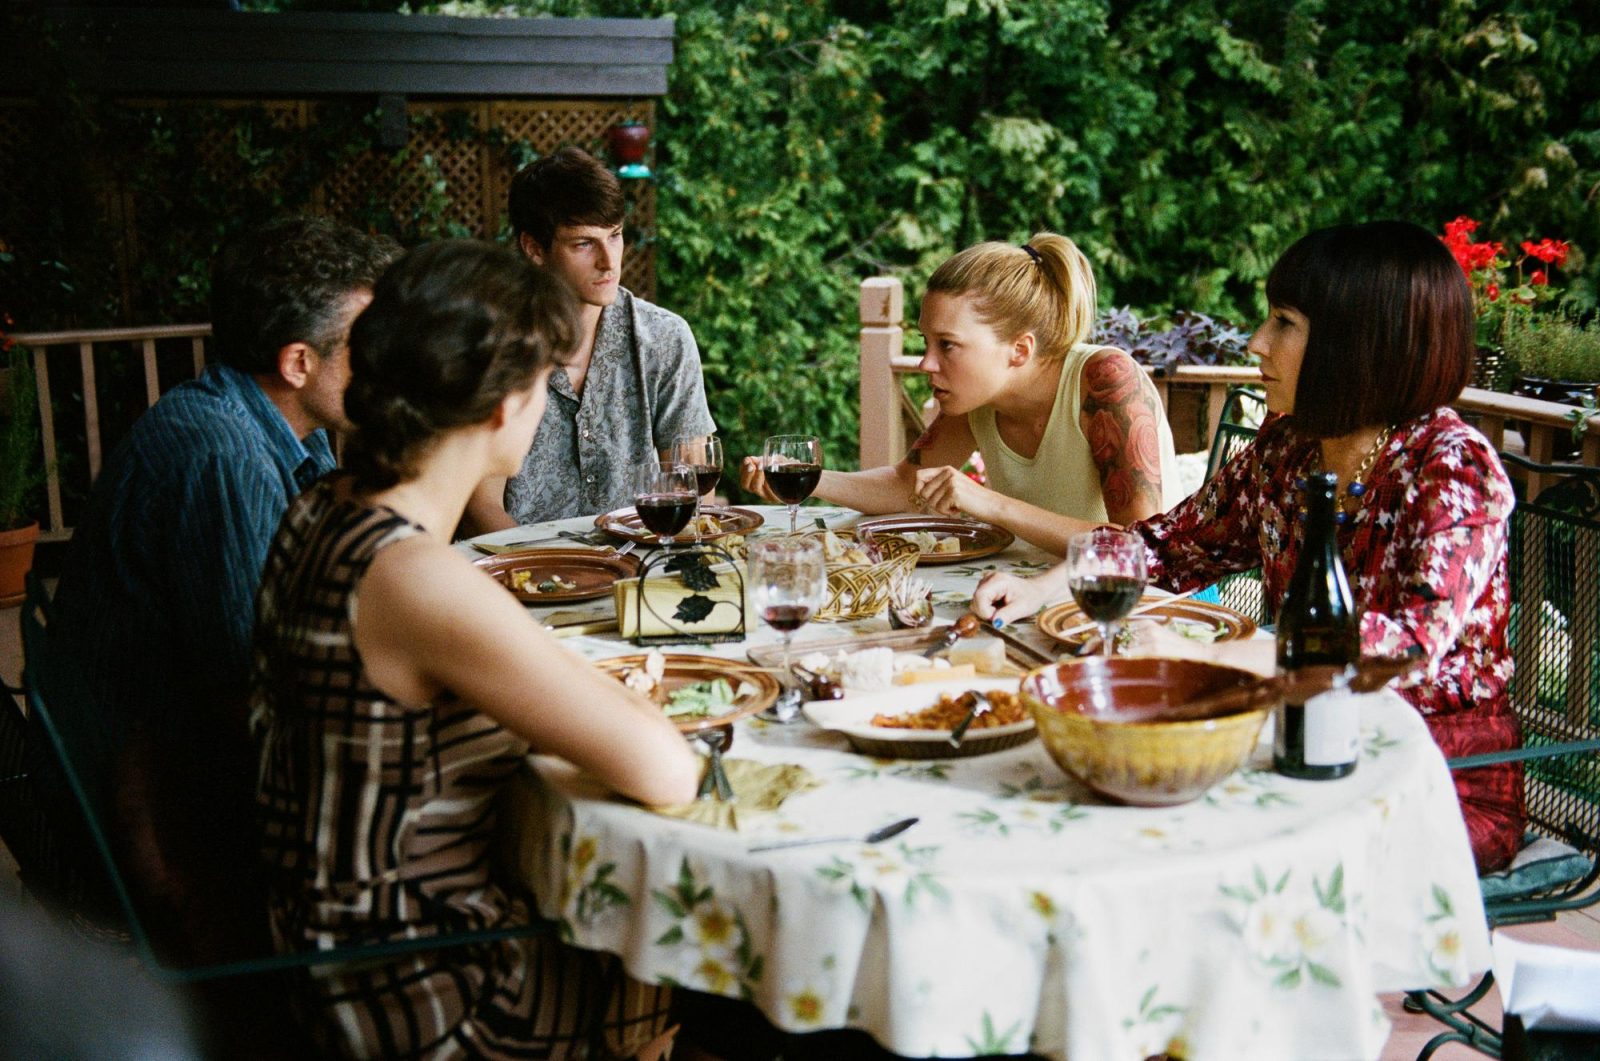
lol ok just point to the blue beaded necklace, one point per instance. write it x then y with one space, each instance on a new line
1350 498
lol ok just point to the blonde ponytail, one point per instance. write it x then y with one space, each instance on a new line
1044 286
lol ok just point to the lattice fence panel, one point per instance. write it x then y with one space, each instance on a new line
471 146
19 181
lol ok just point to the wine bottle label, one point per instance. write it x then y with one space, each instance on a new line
1333 728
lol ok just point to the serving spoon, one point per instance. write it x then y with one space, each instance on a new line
1367 676
979 705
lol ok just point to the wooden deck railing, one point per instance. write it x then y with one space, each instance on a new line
94 348
890 421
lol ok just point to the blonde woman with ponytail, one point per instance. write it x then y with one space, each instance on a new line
1068 431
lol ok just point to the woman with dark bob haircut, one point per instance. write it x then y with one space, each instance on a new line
387 731
1368 339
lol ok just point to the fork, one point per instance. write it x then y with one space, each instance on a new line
716 779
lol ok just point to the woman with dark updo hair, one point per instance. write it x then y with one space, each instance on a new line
387 732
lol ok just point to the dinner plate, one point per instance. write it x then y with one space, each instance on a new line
591 572
1202 620
978 539
685 669
625 523
852 718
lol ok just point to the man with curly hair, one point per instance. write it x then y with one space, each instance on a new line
157 597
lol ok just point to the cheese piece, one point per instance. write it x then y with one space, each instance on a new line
986 654
935 674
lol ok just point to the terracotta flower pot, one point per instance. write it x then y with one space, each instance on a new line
16 559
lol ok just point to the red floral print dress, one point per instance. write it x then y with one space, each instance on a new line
1426 556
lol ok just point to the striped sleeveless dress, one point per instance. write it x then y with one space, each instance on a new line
377 823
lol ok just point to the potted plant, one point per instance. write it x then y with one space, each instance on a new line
1503 294
21 471
1556 358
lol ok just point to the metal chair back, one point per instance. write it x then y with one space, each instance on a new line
1554 561
1242 410
1553 556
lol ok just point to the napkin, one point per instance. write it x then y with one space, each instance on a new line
665 594
1550 988
756 787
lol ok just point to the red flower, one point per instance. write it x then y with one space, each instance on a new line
1538 279
1493 291
1484 254
1458 229
1549 251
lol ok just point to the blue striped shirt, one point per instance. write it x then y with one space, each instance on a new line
157 598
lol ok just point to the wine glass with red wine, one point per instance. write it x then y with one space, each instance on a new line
665 498
792 465
704 455
1105 570
788 583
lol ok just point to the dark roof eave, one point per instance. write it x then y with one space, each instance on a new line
224 53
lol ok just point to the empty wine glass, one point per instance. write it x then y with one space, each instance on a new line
788 585
665 498
1105 570
792 465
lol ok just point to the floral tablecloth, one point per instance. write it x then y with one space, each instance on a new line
1023 914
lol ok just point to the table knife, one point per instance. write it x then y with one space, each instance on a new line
1035 654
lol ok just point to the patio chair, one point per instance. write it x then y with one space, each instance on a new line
64 749
43 855
1242 410
1554 559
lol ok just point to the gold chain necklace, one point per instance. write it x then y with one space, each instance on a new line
1350 498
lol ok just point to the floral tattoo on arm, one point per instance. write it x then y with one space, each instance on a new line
1119 420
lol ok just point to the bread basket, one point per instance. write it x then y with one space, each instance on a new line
860 591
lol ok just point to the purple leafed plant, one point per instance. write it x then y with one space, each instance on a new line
1185 338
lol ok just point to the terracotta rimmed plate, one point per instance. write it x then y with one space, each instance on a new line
591 571
685 669
625 523
978 539
1201 620
851 717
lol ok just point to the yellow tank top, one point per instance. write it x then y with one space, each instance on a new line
1061 477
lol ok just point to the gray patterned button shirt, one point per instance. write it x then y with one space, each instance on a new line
643 390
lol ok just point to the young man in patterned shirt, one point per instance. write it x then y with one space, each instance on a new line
632 386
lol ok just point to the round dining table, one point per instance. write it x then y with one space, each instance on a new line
1022 913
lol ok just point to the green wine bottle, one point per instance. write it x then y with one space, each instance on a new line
1318 626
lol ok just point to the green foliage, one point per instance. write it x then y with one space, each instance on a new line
1555 347
1183 143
